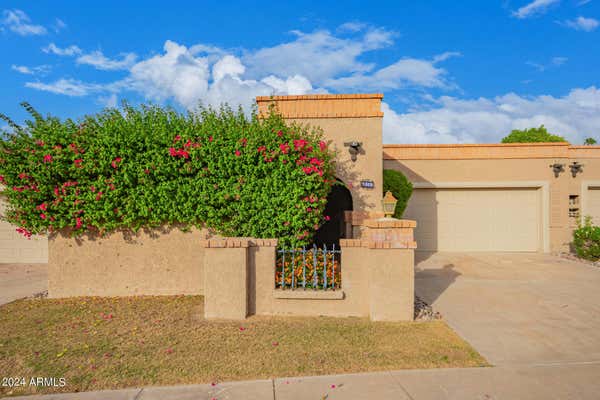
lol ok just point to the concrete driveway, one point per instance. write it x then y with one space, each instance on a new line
21 280
516 309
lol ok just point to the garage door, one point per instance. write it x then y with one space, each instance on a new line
14 248
593 204
476 219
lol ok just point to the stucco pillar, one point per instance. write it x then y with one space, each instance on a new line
226 278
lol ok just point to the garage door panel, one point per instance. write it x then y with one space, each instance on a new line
476 219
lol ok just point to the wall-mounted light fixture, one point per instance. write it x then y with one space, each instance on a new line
354 148
557 168
576 168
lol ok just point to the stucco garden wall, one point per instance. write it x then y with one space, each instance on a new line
166 262
377 278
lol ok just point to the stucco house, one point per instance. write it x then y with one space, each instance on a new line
467 197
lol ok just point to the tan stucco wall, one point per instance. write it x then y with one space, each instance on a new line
343 118
122 264
503 166
377 280
15 248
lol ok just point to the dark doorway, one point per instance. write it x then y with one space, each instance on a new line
339 200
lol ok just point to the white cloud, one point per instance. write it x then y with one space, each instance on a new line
574 116
67 51
40 69
404 72
59 25
582 24
110 101
179 74
20 23
68 87
99 61
554 62
534 8
353 26
318 56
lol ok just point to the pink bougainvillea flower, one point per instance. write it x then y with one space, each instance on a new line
42 207
188 143
39 142
279 133
1 178
177 138
172 151
24 232
327 218
284 147
169 351
78 162
333 386
316 161
23 175
210 138
18 188
43 216
243 141
78 223
238 153
98 196
47 158
146 171
322 145
115 162
261 149
242 328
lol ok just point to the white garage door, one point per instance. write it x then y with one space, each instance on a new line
476 219
14 248
593 204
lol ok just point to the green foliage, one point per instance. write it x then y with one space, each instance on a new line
150 166
401 188
586 240
532 135
590 141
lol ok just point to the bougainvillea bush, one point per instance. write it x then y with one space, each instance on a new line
147 166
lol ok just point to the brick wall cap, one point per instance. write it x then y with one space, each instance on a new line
321 97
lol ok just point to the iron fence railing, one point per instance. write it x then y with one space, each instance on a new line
313 268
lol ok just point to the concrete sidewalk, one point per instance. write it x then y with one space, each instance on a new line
564 381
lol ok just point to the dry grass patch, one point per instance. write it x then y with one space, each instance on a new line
108 343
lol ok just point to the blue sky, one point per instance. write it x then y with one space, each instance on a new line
466 71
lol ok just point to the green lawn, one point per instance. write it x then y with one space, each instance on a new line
108 343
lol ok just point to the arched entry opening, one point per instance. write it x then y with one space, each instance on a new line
339 200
